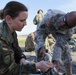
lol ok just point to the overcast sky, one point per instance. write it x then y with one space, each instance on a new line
34 5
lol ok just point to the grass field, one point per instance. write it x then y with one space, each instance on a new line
22 39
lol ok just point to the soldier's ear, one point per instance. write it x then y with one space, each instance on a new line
8 19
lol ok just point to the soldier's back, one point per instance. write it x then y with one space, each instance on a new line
29 43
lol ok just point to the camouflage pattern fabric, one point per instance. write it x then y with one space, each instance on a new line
49 25
28 68
6 61
51 71
37 19
75 30
48 57
49 42
29 43
9 50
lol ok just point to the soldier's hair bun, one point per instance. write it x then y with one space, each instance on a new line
1 14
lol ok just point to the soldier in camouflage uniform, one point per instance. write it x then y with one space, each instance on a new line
29 43
9 48
37 19
14 17
60 25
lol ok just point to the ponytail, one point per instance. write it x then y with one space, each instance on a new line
1 14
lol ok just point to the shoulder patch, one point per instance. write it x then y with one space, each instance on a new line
5 47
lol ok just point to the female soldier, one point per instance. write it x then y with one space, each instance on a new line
14 17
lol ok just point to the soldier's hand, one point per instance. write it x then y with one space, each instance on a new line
41 53
44 65
22 61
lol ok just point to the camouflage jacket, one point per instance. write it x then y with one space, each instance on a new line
37 19
9 48
48 25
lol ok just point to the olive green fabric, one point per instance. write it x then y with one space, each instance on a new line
10 52
29 43
37 19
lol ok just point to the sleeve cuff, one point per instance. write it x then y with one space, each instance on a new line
29 68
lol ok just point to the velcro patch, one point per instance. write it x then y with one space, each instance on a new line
5 47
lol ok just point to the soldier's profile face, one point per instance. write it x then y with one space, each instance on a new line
20 21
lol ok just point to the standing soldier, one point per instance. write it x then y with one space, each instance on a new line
29 43
37 19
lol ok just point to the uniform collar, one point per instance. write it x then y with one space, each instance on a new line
6 35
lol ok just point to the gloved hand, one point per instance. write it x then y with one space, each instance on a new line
41 53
